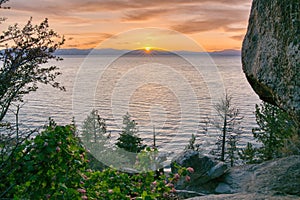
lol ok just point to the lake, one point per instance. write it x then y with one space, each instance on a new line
171 94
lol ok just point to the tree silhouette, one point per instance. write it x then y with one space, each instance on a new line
228 120
25 51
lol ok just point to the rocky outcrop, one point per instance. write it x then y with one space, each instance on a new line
281 176
271 53
277 179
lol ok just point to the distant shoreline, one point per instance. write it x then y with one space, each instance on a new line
228 52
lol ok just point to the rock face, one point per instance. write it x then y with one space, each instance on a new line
271 53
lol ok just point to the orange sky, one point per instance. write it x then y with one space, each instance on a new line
214 24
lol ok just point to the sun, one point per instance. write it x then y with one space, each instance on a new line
148 49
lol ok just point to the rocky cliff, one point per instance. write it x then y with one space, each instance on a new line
271 53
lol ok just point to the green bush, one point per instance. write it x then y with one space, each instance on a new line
112 184
50 165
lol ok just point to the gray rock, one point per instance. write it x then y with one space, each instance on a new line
271 53
206 169
188 194
224 188
246 196
281 176
218 170
275 177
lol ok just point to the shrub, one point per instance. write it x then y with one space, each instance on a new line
49 166
112 184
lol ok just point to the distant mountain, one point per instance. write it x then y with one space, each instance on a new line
151 53
72 51
90 51
229 52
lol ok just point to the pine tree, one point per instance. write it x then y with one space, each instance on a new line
94 129
276 132
275 126
128 139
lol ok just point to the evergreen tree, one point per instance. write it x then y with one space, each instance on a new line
128 139
275 126
94 129
277 133
249 154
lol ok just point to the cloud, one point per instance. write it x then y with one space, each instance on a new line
76 11
213 18
82 45
238 37
85 40
234 29
77 18
90 35
142 15
67 6
194 26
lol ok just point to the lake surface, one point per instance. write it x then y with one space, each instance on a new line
172 94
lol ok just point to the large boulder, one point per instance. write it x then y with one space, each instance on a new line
271 53
206 170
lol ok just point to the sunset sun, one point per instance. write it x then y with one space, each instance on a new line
148 49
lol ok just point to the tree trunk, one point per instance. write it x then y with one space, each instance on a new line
224 138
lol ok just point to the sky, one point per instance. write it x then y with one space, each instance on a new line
213 24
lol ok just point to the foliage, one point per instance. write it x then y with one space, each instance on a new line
53 166
275 126
277 133
25 51
128 139
149 159
49 166
291 146
191 145
249 154
232 149
24 164
112 184
227 122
